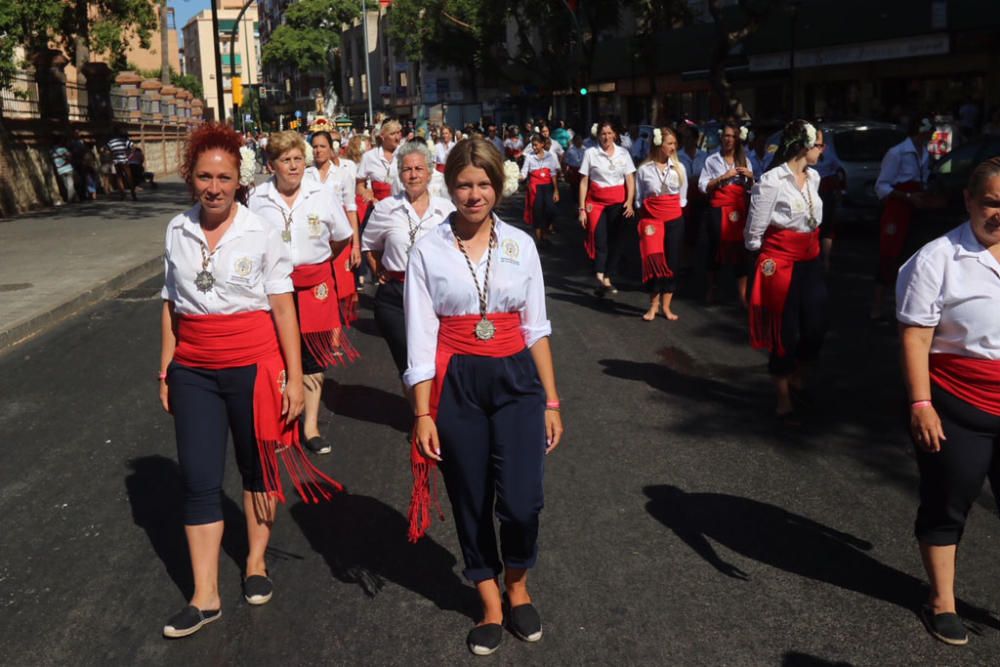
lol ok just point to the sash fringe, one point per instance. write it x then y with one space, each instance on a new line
311 483
330 348
655 266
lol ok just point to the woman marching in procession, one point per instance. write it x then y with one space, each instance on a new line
485 399
661 184
607 190
313 226
377 167
948 300
788 304
229 362
443 147
726 179
541 170
339 175
394 226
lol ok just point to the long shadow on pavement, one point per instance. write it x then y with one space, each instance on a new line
364 542
791 542
369 404
797 659
156 493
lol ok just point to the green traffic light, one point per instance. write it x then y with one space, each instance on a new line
583 91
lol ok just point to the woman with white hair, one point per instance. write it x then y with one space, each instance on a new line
376 173
395 224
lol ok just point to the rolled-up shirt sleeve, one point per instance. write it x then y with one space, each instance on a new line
421 323
918 290
762 200
534 319
887 174
276 265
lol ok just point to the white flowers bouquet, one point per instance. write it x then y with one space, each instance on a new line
511 176
248 166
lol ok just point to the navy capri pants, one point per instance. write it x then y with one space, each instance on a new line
491 423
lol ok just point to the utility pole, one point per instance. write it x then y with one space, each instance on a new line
219 90
232 58
164 45
368 69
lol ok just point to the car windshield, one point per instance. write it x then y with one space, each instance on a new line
866 145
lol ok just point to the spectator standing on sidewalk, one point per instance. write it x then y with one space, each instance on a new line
121 147
62 161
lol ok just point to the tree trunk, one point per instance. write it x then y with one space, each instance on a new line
164 45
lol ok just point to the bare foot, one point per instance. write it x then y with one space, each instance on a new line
651 314
670 315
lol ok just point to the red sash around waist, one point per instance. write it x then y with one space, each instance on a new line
381 190
535 178
243 339
347 291
656 213
975 381
894 227
731 200
363 207
456 335
319 314
440 167
780 250
599 197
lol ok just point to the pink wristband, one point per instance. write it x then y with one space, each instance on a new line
162 376
552 405
920 404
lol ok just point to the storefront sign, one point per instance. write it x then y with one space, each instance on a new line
892 49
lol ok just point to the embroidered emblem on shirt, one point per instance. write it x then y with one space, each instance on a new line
734 216
243 267
649 230
510 249
315 231
321 291
768 267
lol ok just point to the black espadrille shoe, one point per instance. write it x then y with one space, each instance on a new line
189 620
485 639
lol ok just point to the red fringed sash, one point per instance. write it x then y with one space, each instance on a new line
975 381
656 213
456 335
363 207
535 178
780 249
381 190
598 197
319 314
243 339
731 200
894 227
347 291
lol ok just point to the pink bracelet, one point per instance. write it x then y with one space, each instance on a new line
920 404
551 405
162 376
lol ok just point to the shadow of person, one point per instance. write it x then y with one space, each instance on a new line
790 542
369 404
364 542
796 659
155 491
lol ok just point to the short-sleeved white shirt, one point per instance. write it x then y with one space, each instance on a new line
374 167
651 182
342 179
533 162
439 284
388 228
317 219
607 170
902 163
249 263
953 285
716 166
441 151
777 201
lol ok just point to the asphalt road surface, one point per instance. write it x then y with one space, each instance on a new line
681 527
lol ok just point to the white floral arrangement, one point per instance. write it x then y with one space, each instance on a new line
511 177
593 130
310 159
248 166
810 135
430 144
744 133
657 137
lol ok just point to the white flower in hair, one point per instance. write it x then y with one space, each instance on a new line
657 137
511 175
593 130
430 144
810 135
248 165
536 130
744 133
309 155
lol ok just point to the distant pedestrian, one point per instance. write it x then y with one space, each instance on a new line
62 162
121 147
574 158
833 182
541 171
443 147
513 146
947 301
377 176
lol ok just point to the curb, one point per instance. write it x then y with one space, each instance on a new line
14 336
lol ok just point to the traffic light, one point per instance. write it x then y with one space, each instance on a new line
237 91
583 90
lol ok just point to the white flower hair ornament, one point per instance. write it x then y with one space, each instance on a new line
593 130
657 137
511 176
744 133
310 159
248 166
810 131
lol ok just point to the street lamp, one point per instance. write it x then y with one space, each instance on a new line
368 70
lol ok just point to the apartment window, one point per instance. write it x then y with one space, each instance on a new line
401 80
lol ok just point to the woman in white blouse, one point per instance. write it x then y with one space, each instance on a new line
375 178
541 171
315 228
441 149
948 307
394 226
788 304
661 185
607 191
485 398
229 362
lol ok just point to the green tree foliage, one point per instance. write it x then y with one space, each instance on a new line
310 33
188 82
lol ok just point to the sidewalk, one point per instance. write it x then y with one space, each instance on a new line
57 262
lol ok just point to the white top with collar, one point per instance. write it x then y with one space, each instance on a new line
388 229
651 182
316 219
439 284
533 162
249 263
441 151
716 166
953 285
607 170
902 163
341 178
776 200
374 167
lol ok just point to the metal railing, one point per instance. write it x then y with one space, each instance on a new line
19 99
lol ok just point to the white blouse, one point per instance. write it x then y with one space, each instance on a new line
607 170
441 151
650 181
342 179
439 284
388 229
776 200
716 166
533 162
953 285
249 263
902 163
314 221
374 167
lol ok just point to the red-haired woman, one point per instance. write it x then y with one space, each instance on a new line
727 178
229 362
661 184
